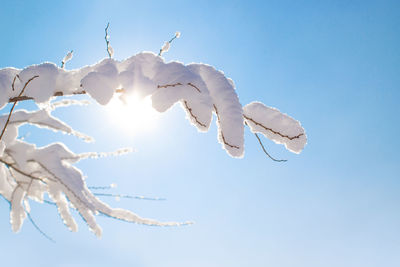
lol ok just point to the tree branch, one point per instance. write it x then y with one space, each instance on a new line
271 130
12 166
15 103
83 92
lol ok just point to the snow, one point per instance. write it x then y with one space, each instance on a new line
30 172
279 127
2 147
67 58
226 106
165 47
110 50
34 171
201 89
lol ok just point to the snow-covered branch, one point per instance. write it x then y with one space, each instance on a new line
30 172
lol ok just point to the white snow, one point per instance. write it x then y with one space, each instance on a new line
165 47
67 57
30 172
279 127
2 147
110 50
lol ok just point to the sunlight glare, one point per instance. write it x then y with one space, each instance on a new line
133 115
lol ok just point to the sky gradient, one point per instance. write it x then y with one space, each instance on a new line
332 65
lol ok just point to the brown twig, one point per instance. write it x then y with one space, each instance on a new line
169 85
194 86
191 114
83 92
13 83
179 84
222 134
15 103
271 130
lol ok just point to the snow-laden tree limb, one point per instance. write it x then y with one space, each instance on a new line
28 172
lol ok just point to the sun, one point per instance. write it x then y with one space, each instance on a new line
132 114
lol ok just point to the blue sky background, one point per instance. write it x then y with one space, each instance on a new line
333 65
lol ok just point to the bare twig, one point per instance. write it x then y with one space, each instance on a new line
166 46
106 37
265 151
15 103
38 228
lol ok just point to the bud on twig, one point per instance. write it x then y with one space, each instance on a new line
67 58
167 45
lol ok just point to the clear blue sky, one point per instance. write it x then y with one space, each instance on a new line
333 65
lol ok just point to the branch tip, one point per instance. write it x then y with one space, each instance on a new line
265 151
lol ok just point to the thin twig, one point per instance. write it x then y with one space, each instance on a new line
271 130
13 83
107 41
100 187
49 202
83 92
170 41
128 196
222 133
168 85
265 151
38 228
15 103
189 109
